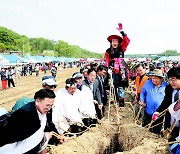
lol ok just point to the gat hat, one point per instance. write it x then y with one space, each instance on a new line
49 80
114 37
157 72
77 75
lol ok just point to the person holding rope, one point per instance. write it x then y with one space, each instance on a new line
65 113
114 57
87 108
172 93
92 83
152 95
140 80
23 130
48 82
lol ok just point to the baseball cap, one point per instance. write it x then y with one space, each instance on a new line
77 75
49 80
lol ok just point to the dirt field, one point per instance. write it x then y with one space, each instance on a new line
29 85
109 136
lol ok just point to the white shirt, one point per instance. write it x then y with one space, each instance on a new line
87 108
66 108
28 143
176 115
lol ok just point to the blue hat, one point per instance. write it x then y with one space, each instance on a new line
47 77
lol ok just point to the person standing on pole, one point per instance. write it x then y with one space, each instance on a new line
114 57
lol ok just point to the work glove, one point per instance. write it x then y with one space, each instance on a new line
155 116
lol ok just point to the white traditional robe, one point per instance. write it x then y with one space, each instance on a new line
66 108
87 108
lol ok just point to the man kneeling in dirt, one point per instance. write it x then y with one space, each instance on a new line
48 82
23 130
66 108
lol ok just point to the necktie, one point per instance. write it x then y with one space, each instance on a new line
176 96
102 88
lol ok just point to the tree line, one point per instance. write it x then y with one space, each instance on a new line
12 41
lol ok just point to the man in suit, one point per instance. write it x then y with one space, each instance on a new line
101 72
93 84
172 93
48 82
23 130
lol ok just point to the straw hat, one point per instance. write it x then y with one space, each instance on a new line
157 72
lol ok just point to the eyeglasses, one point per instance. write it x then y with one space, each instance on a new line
52 86
172 79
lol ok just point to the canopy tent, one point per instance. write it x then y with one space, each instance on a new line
14 59
61 59
3 61
48 59
82 60
163 58
40 59
31 60
54 58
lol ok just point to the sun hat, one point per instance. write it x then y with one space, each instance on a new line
114 37
157 72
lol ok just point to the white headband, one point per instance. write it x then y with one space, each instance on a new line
70 85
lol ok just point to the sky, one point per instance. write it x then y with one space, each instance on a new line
153 26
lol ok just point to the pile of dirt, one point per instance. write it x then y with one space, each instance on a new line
109 136
112 137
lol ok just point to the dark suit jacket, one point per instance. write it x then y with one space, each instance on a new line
165 104
19 125
96 91
101 89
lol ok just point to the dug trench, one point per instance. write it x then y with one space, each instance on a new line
114 136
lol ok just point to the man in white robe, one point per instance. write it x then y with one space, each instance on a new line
66 107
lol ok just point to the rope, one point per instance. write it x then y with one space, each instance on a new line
167 132
152 121
138 114
112 97
172 142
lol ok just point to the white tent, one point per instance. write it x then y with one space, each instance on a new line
3 61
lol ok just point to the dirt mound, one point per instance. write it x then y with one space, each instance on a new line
110 137
107 137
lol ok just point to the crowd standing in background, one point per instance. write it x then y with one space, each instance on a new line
82 102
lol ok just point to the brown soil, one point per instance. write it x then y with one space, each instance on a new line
29 85
109 136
